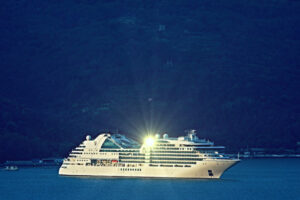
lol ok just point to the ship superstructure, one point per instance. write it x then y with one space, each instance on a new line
117 155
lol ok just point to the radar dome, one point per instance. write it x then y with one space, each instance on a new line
157 136
165 136
88 137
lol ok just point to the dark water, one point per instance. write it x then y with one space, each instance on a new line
251 179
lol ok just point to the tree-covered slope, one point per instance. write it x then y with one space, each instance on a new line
227 68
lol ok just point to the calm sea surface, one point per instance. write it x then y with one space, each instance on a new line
251 179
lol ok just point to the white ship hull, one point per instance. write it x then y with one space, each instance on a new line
203 169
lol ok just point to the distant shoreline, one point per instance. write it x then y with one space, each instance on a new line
46 162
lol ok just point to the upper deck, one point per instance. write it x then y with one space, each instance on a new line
119 143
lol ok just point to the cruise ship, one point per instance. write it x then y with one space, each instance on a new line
161 157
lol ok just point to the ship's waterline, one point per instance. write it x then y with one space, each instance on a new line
117 155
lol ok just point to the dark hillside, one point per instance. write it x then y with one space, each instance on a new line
229 68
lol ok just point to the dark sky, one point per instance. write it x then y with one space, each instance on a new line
227 68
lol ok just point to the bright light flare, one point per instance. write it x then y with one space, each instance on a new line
149 141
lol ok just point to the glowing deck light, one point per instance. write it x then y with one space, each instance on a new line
149 141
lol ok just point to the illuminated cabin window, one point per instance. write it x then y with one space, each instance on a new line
179 155
167 158
173 151
178 165
121 157
170 145
171 162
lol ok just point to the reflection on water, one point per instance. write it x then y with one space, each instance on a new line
250 179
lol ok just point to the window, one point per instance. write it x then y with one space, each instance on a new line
109 144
